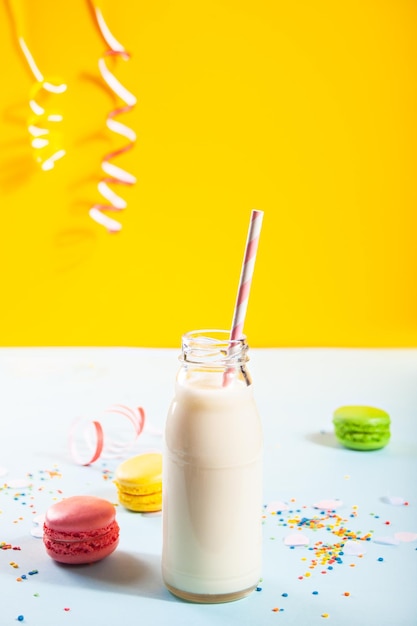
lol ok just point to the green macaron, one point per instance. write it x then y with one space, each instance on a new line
362 427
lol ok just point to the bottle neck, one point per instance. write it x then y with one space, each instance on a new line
211 353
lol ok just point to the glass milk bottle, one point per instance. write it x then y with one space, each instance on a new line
212 477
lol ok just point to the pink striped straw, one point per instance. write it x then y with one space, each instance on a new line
246 275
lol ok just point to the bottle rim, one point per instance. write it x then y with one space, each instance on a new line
213 346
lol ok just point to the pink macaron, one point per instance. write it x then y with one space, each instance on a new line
80 529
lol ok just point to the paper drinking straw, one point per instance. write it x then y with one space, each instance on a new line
246 275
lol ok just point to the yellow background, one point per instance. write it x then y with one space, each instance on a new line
305 110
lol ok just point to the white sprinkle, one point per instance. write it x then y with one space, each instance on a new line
394 500
386 541
354 548
328 505
18 483
37 532
3 471
405 536
276 506
296 540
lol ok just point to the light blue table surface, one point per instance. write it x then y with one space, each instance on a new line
43 390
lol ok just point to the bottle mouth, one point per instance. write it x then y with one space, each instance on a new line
212 346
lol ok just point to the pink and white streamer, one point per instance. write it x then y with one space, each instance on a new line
114 175
91 439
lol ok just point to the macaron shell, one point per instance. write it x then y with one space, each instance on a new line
141 474
80 514
141 504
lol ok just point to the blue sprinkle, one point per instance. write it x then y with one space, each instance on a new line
258 588
330 567
315 593
23 576
20 618
285 595
380 558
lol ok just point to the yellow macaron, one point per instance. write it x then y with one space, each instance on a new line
139 482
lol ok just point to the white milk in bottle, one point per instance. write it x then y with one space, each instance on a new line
212 477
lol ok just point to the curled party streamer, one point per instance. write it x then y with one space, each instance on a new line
45 102
106 437
113 174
